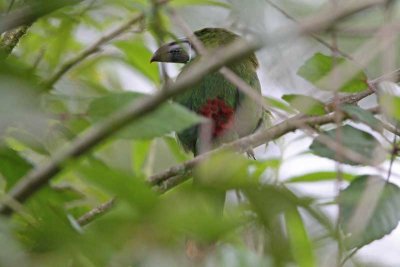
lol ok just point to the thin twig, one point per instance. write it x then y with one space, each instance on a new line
392 157
96 212
317 38
91 50
349 256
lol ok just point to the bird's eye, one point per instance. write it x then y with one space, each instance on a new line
174 51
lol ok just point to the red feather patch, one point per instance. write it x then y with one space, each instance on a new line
220 113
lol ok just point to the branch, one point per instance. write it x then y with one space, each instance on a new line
28 14
96 212
91 50
11 38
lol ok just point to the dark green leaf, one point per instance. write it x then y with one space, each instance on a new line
352 138
319 67
165 119
369 210
12 165
305 104
362 115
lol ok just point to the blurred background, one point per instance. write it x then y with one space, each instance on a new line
144 229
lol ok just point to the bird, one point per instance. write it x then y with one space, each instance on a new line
230 114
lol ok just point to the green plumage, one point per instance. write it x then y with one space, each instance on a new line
247 114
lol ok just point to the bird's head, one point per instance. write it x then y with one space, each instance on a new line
182 51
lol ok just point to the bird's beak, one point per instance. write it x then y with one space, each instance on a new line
174 52
161 54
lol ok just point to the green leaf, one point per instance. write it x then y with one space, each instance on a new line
20 99
122 185
390 105
305 104
369 210
138 56
176 149
51 229
276 103
300 244
318 68
269 203
168 118
22 140
318 176
211 173
12 165
352 138
361 115
140 153
242 171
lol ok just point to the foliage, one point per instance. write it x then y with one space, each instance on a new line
271 218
